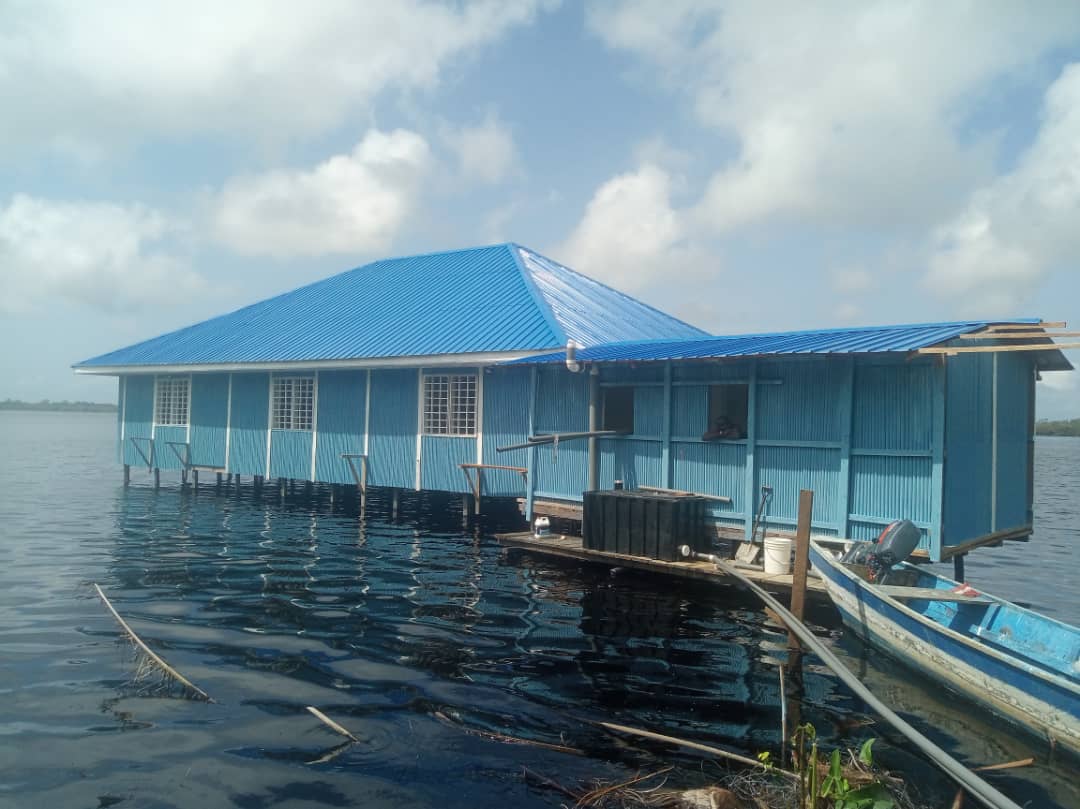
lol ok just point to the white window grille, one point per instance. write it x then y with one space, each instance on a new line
450 404
292 403
171 407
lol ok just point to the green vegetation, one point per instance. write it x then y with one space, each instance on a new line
1065 427
829 782
65 406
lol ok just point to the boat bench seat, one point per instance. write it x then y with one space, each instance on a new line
904 593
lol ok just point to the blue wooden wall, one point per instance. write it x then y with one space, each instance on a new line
340 422
507 392
392 443
248 424
138 407
209 417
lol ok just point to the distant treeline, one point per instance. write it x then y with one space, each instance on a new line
65 406
1067 427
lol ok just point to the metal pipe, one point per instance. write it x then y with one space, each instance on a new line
976 786
594 425
550 438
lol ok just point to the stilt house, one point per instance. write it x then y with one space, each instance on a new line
418 373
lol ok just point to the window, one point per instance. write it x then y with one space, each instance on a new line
171 407
619 409
292 402
728 408
450 404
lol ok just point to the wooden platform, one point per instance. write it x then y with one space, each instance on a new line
570 547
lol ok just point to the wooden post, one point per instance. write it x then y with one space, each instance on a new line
281 487
183 478
394 507
157 478
127 475
958 567
333 491
195 479
218 484
802 557
465 508
479 489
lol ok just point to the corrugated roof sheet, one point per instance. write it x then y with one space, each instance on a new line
487 299
865 340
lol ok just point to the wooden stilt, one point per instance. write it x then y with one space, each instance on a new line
333 492
394 507
958 566
281 487
802 559
465 508
195 479
157 478
127 475
219 481
183 478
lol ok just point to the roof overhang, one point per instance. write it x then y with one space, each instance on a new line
425 361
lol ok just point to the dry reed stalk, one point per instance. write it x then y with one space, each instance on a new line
152 659
501 737
704 748
330 723
596 796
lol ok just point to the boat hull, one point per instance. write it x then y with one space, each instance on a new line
1011 688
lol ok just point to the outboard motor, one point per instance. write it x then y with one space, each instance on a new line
893 546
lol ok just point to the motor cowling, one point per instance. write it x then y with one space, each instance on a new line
895 544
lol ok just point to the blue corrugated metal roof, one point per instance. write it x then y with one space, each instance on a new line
487 299
865 340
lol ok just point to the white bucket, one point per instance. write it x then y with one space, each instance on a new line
777 555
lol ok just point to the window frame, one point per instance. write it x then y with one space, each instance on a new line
741 420
292 403
172 400
628 405
450 404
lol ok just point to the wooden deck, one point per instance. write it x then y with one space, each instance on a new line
570 547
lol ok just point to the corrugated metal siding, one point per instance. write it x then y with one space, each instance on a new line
506 422
250 421
340 424
789 469
138 417
562 401
1015 378
290 454
441 454
711 468
806 406
166 456
649 411
392 443
689 411
893 407
890 488
562 471
209 410
636 463
967 448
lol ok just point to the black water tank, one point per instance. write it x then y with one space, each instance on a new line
640 523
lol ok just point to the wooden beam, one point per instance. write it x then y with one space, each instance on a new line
950 350
802 558
1045 324
660 490
1017 335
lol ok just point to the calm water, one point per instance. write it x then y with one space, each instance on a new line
408 633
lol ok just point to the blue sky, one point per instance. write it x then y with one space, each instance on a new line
748 167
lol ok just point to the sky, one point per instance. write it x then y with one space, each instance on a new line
745 166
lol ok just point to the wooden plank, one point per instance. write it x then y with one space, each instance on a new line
718 497
902 593
1046 324
950 350
1016 335
802 554
519 469
569 547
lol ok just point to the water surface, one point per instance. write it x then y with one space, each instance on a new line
416 634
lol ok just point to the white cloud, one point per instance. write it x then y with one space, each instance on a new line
252 68
846 114
104 255
350 203
1018 227
485 152
630 235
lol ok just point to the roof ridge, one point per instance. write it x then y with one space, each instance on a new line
614 291
557 329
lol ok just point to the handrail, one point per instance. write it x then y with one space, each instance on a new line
555 438
186 460
135 439
359 477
